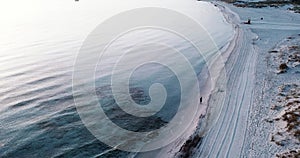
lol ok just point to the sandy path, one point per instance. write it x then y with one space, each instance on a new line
241 130
227 136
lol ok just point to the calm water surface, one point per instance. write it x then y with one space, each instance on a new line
38 46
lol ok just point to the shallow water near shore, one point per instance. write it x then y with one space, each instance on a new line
39 43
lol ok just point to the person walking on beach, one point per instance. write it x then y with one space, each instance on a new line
200 100
248 22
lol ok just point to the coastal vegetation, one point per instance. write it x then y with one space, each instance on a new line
267 3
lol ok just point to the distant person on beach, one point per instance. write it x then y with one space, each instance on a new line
248 22
200 100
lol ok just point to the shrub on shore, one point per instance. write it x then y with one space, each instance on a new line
283 66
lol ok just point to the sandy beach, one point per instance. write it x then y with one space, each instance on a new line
241 129
243 104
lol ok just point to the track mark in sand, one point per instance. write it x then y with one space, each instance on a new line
230 69
239 110
227 137
234 116
236 96
227 107
221 119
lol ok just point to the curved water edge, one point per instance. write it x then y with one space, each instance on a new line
212 88
203 122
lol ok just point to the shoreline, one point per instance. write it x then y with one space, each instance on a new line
192 134
242 130
237 62
203 123
210 87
